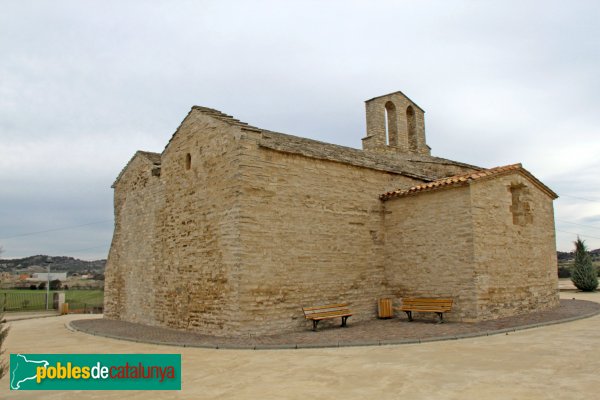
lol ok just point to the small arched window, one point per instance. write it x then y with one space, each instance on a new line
188 161
412 128
391 124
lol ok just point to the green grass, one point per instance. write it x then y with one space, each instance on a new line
84 296
25 300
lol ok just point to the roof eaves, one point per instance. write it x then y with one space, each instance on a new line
465 179
445 161
451 181
539 183
376 167
290 144
520 170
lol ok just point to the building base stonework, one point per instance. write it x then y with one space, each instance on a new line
232 229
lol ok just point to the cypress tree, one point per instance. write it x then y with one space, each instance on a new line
584 275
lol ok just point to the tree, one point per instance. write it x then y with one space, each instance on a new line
55 284
584 275
42 286
98 277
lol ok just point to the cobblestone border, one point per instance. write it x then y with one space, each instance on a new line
338 344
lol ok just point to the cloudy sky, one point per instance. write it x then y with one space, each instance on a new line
83 85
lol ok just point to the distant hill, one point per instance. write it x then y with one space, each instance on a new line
71 265
567 256
61 263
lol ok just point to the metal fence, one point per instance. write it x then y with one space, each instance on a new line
23 300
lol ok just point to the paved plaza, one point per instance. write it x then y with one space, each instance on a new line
551 362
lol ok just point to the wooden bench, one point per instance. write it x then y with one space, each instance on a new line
316 314
438 306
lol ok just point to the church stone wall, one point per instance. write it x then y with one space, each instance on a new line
132 262
311 235
515 247
174 255
197 229
490 246
429 248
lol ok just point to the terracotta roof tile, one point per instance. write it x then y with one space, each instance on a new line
461 180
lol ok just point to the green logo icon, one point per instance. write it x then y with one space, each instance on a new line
95 372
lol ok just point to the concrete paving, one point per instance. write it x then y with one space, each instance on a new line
19 315
552 362
566 284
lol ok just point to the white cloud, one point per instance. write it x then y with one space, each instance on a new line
85 84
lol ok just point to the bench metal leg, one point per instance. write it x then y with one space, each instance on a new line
441 315
315 322
409 314
344 319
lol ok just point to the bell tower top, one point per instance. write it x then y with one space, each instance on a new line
395 124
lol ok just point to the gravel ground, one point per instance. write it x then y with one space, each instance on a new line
374 332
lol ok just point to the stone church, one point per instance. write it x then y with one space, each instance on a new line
233 228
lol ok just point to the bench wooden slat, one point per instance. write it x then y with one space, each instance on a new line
416 304
341 305
427 306
328 311
329 315
426 300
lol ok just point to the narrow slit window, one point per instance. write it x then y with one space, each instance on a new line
391 127
412 128
188 161
387 129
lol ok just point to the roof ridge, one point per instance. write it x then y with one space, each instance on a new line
392 158
154 158
221 116
349 155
